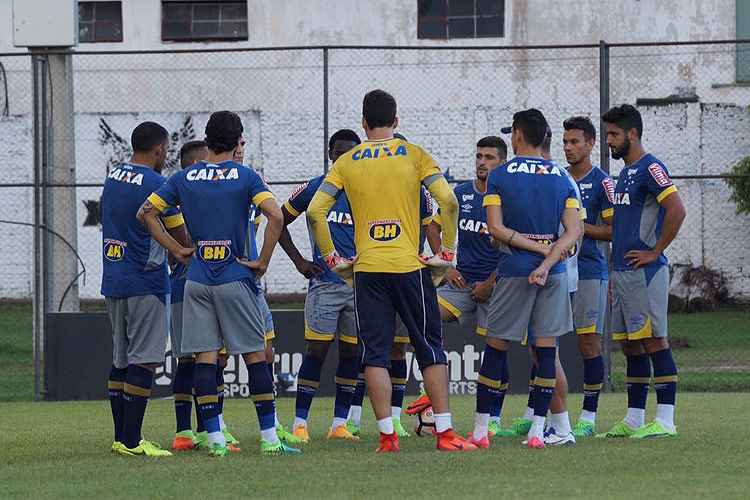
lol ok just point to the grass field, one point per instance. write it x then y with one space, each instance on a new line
61 450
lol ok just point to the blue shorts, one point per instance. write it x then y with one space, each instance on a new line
377 299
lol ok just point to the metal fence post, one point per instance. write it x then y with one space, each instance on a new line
325 110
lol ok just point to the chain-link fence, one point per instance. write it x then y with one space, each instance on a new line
67 120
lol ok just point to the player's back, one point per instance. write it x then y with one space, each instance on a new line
133 263
533 193
382 180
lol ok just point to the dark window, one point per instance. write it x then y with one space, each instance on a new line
743 49
206 20
99 22
445 19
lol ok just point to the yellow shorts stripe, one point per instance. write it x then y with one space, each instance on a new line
262 397
495 384
492 199
544 382
449 307
345 381
173 221
666 379
586 330
311 334
220 388
592 387
481 331
115 386
619 336
291 209
183 397
398 381
308 383
205 400
157 201
261 197
270 335
349 339
664 194
607 213
638 380
401 340
644 333
136 391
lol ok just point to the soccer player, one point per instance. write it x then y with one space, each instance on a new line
648 215
221 305
135 283
382 179
524 212
590 298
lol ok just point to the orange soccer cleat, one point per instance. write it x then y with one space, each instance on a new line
418 405
388 443
450 441
535 443
483 443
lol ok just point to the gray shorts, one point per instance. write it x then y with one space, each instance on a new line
459 302
639 305
516 305
269 333
589 305
175 330
139 329
218 316
329 308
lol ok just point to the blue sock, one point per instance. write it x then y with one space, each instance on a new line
182 388
308 381
665 376
136 391
206 396
532 378
593 379
544 383
261 392
638 377
398 382
220 386
490 385
359 392
115 386
497 409
199 427
346 383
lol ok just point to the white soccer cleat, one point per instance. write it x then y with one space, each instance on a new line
552 439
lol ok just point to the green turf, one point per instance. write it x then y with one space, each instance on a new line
60 450
16 353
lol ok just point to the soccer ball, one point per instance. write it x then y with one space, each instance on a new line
425 422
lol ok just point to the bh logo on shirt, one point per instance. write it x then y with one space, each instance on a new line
215 251
114 250
385 230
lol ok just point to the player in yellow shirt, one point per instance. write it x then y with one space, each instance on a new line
382 178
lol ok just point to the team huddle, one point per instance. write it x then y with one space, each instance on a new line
530 239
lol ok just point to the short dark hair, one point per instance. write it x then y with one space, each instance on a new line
188 150
582 123
626 117
547 142
533 124
344 135
396 135
223 131
379 109
492 141
146 136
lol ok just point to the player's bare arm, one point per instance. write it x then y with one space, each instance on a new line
452 275
674 215
600 232
432 232
148 215
272 212
305 267
571 234
483 290
504 234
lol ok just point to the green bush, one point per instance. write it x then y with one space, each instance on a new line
740 185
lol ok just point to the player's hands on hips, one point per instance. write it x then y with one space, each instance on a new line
308 269
184 254
453 277
258 266
482 291
640 258
539 276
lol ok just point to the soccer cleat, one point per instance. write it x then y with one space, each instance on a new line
553 439
494 429
184 440
450 441
483 443
535 443
388 443
653 430
117 446
399 429
279 448
620 430
353 428
521 426
584 429
145 448
217 450
287 437
342 433
418 405
201 440
300 432
229 438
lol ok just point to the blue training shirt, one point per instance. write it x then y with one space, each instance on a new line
638 215
597 193
476 259
533 194
216 200
133 263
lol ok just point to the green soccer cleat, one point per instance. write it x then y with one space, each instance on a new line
352 427
495 429
217 450
584 429
146 449
521 426
287 437
229 438
201 440
653 430
620 430
117 446
399 429
279 448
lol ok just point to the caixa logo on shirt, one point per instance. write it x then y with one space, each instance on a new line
214 251
114 250
385 230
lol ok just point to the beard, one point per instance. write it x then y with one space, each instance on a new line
622 151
